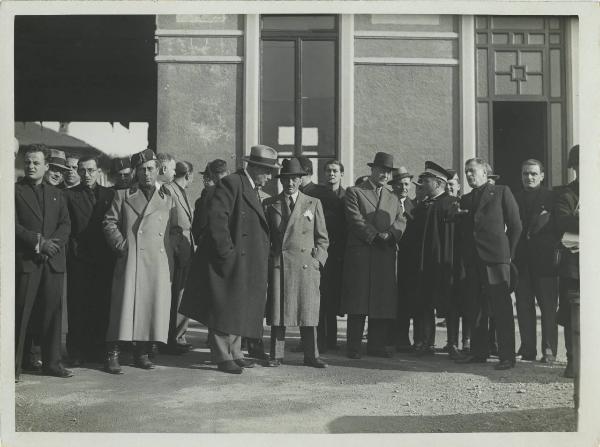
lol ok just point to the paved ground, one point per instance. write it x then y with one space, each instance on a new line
403 394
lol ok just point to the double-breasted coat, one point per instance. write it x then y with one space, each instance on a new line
227 286
299 244
142 233
370 286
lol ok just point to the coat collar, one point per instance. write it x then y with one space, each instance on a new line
251 197
369 191
30 200
487 193
136 199
174 188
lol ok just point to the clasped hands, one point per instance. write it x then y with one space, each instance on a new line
49 248
384 239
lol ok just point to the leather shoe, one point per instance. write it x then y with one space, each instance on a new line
504 364
315 363
142 361
453 353
550 359
174 349
258 354
273 363
244 363
528 357
35 366
229 366
471 359
61 372
569 373
353 355
405 349
112 363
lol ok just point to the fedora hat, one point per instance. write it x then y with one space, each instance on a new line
434 170
142 157
58 159
262 155
383 160
399 174
291 167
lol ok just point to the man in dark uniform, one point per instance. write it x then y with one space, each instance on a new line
406 264
490 228
538 276
434 219
121 175
42 228
90 264
566 212
308 187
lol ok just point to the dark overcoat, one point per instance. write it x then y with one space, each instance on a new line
566 211
369 286
407 265
227 285
298 250
435 253
539 237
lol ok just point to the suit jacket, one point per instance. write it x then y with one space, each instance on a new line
30 220
87 242
539 236
369 286
226 288
407 264
184 220
492 230
299 244
566 211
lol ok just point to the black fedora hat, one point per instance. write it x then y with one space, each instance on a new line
291 167
399 174
383 160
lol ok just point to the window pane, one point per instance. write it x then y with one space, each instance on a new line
277 95
318 98
298 23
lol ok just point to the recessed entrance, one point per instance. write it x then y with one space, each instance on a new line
519 133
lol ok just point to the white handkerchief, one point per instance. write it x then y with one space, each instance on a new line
308 214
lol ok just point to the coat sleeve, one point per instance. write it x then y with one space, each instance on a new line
512 220
321 236
63 225
111 225
356 221
180 247
564 213
26 236
399 225
220 210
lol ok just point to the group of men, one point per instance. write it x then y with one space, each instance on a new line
141 261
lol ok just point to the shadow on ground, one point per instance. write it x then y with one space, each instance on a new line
528 421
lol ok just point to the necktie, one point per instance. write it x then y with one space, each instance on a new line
291 204
91 196
258 194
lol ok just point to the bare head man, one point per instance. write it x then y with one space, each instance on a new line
36 163
532 174
476 171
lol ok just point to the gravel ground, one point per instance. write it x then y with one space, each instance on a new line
403 394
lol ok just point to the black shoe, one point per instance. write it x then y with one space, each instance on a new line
453 353
112 365
174 349
471 359
528 357
244 363
142 361
273 363
229 366
425 350
504 364
568 372
315 363
447 347
61 372
353 355
35 366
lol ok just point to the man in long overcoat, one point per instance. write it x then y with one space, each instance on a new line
538 276
42 228
375 225
227 285
298 250
490 228
90 263
141 227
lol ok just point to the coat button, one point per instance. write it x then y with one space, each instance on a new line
160 234
303 250
305 266
243 253
140 232
162 250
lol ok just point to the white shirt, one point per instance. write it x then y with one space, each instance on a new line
293 196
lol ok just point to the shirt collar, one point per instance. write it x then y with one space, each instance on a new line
250 178
294 196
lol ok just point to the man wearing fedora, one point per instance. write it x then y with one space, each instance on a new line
227 286
57 168
375 225
490 228
298 251
142 229
406 264
434 220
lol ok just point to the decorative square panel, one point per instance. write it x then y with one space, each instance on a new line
535 39
555 39
482 38
532 60
505 85
533 85
518 38
554 23
517 73
500 38
504 60
481 22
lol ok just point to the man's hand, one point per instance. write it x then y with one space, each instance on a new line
49 247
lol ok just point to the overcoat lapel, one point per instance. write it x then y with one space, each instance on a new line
80 203
302 203
370 194
155 202
50 207
487 195
30 200
135 198
251 197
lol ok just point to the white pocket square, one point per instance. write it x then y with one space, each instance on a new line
308 214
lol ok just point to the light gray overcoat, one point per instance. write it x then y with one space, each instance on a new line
142 233
299 244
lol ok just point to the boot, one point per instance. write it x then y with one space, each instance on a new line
141 359
112 359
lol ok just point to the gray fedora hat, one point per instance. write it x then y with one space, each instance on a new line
262 155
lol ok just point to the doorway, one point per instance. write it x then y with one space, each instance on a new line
519 133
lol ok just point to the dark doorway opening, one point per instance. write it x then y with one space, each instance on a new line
519 130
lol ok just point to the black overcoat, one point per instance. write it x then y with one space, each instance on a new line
227 285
